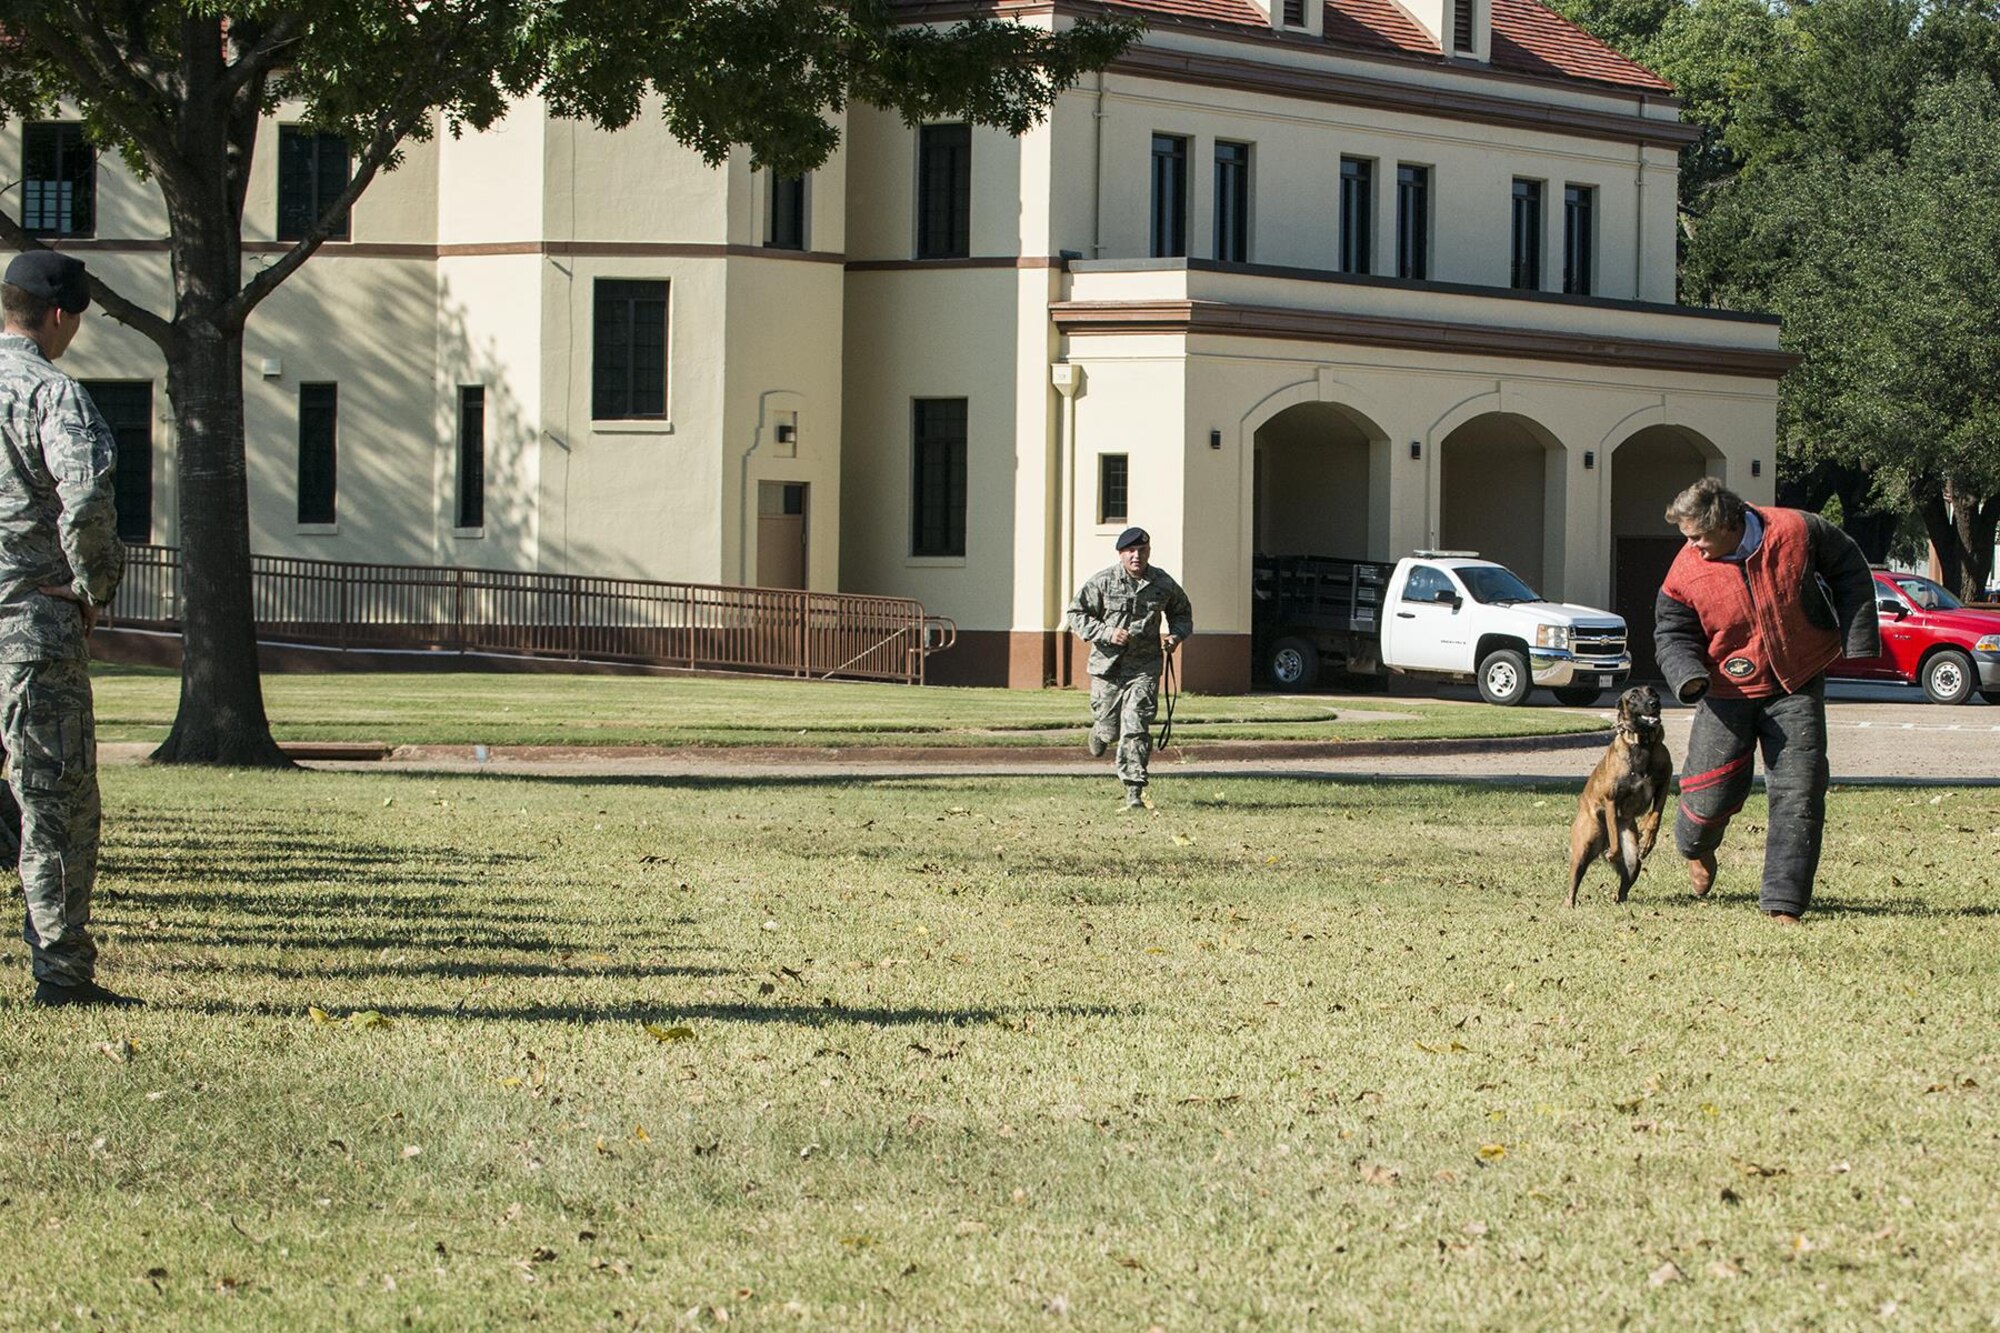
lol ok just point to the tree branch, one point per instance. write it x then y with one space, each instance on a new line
97 63
260 55
125 311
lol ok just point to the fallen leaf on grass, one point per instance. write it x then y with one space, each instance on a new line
1757 1169
1665 1273
1443 1048
1722 1268
121 1050
1374 1173
639 1134
1131 1261
1492 1152
678 1032
412 1150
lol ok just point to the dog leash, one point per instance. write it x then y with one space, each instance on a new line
1170 686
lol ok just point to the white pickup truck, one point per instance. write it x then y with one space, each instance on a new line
1440 614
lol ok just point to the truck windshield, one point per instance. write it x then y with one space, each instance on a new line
1496 585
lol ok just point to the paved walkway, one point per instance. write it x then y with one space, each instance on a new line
1878 734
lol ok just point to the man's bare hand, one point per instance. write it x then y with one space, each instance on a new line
1121 637
69 595
1172 642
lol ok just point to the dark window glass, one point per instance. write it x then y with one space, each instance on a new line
1579 238
944 192
1295 13
58 180
1357 215
628 356
1461 25
127 407
312 171
1170 196
1527 266
471 456
788 213
319 424
1413 222
937 489
1232 202
1111 474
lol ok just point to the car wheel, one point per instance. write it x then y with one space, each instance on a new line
1947 677
1577 696
1293 664
1503 677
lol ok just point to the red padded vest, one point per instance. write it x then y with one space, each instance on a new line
1760 641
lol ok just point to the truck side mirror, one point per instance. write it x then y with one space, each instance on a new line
1446 597
1890 606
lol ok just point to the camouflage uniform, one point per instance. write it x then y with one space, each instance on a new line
58 529
1125 678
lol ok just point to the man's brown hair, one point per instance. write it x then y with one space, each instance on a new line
23 307
1707 504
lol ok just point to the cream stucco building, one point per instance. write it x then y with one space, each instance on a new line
1279 281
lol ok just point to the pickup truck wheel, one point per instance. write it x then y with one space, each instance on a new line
1504 678
1577 696
1948 677
1293 664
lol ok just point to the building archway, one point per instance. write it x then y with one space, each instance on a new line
1648 469
1500 493
1317 486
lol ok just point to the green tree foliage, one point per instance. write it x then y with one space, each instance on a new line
1839 184
178 89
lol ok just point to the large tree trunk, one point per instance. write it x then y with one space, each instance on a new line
1976 521
221 718
1935 511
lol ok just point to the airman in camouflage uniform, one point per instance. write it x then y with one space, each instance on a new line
60 561
1120 613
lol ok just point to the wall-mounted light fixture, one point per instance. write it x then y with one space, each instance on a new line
1416 448
271 368
1589 459
1756 467
1214 439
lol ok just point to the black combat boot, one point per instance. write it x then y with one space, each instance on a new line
54 995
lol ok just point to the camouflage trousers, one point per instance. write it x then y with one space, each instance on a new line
50 734
1122 708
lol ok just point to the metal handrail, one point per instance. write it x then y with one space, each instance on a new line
352 606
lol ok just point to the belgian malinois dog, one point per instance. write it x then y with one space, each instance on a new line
1618 816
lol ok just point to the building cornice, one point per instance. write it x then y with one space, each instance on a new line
417 250
1329 86
1228 319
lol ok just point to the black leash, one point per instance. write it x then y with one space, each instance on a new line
1170 686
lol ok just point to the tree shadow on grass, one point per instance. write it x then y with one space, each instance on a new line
820 1016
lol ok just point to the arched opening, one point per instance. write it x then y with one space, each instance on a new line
1314 492
1319 489
1501 494
1648 469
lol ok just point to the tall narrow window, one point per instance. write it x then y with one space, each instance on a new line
1579 238
1461 26
1357 215
1413 221
58 180
1170 196
1112 471
1526 271
937 483
312 171
1232 202
944 192
628 358
319 430
471 455
127 407
787 230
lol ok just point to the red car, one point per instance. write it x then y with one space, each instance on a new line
1932 639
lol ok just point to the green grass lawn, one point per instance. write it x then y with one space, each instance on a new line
137 704
470 1052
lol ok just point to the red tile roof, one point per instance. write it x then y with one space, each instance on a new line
1534 40
1528 38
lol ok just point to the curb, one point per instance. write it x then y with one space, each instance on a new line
1054 756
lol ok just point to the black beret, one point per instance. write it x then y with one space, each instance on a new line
1133 537
55 278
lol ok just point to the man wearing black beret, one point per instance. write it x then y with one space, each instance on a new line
1133 615
60 561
